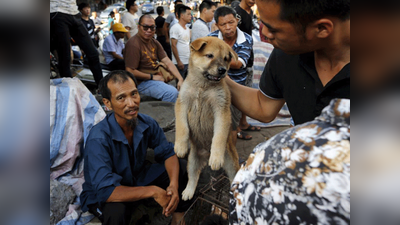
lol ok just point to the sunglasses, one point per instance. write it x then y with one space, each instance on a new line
152 28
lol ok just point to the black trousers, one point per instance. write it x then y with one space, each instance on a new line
117 64
121 212
62 28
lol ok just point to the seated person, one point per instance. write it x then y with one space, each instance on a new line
116 172
113 46
142 56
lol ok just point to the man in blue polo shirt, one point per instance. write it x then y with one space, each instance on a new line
117 174
242 44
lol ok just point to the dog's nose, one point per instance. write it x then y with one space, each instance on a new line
221 70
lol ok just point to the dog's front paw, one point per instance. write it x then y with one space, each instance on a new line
216 161
188 193
181 149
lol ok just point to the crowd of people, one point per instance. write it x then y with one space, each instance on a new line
299 176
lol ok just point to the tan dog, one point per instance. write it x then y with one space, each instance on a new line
203 113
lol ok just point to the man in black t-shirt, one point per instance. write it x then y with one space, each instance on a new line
84 8
310 64
161 31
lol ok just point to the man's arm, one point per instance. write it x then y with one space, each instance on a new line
131 194
235 64
172 167
174 42
116 56
166 30
172 68
145 76
253 103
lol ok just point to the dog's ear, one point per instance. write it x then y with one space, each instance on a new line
233 54
198 44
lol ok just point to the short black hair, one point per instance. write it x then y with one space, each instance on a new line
306 11
206 4
181 9
129 3
177 1
83 5
160 10
224 11
116 76
147 15
111 13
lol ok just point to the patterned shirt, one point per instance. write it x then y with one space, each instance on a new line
300 176
64 6
243 48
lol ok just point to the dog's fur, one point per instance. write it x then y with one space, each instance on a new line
203 114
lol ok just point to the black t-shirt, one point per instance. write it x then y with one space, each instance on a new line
246 25
89 24
295 79
160 22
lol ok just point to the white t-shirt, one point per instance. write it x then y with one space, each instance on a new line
129 20
183 36
199 29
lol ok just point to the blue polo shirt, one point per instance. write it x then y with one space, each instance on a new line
243 48
110 161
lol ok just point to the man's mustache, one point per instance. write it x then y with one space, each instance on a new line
132 109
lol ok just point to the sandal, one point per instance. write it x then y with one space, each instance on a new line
244 136
252 128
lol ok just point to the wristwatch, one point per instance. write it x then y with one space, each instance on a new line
151 76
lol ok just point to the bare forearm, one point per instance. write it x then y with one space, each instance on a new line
115 55
253 103
175 52
235 64
138 74
131 194
166 30
172 167
172 68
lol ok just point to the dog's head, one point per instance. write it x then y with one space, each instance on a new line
211 57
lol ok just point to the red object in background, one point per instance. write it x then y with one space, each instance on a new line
263 38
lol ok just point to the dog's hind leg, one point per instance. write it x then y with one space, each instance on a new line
182 129
196 162
231 164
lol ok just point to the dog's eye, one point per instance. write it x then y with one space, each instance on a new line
210 56
226 58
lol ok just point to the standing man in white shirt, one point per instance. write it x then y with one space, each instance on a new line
200 27
113 46
180 39
130 19
170 19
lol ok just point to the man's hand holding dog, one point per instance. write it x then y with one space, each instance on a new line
173 203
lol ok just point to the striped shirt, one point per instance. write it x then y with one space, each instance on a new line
243 48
